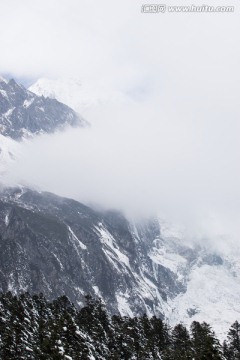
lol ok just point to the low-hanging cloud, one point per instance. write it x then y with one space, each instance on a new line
143 158
175 150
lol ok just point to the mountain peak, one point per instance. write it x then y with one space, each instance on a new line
25 113
12 82
79 95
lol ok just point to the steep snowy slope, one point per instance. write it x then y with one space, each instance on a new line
79 96
61 246
58 246
211 281
23 113
212 295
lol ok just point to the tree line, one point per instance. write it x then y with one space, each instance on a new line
33 328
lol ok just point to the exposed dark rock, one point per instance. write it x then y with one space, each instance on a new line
23 113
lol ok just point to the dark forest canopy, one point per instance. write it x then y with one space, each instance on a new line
33 328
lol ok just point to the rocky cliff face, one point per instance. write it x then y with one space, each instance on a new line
59 246
23 113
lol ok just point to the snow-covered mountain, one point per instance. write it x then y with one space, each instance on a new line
59 246
212 293
78 95
23 113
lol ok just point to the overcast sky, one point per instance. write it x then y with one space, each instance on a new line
175 148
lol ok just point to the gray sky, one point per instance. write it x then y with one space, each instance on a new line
176 149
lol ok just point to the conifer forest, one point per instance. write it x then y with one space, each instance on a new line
33 328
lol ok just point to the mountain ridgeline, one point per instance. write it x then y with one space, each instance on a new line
23 113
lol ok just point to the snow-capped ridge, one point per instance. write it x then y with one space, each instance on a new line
23 113
79 95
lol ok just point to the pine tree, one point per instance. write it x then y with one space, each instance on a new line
116 341
232 346
161 334
131 334
149 349
42 318
94 320
205 344
181 345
